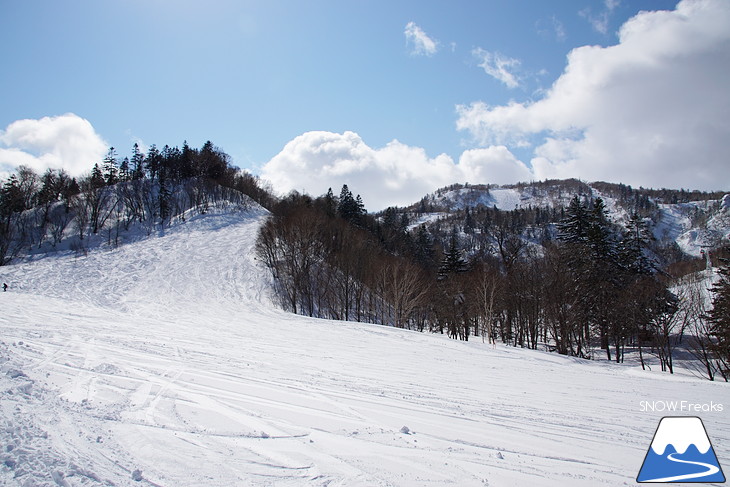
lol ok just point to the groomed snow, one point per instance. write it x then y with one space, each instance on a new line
164 363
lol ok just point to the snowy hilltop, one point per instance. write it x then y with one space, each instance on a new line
164 362
690 219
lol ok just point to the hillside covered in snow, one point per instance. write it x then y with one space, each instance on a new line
691 220
164 362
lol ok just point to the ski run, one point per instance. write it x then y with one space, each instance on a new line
164 363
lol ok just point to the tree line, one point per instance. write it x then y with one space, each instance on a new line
567 279
148 190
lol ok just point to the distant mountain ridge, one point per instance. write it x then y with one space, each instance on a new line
693 220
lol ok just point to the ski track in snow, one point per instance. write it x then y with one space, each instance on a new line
164 363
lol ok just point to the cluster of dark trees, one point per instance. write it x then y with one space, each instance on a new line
328 262
712 347
149 190
567 279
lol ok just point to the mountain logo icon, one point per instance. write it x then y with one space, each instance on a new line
681 452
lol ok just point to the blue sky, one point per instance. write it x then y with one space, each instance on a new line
394 98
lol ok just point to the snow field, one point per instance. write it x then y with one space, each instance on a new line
164 363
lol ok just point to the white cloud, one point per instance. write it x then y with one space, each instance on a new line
552 27
497 66
493 165
651 110
611 4
559 29
394 175
63 142
600 22
418 41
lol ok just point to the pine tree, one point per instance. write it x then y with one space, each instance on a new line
719 319
97 177
423 251
137 162
346 204
469 224
599 235
124 172
153 162
351 208
111 175
360 211
574 227
330 203
164 202
452 262
591 254
604 278
633 247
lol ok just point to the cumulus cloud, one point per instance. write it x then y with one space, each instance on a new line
63 142
650 110
493 165
418 41
394 175
497 66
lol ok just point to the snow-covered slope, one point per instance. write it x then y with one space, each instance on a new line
678 223
693 226
503 198
163 363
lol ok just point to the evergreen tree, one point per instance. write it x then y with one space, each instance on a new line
405 222
575 226
453 262
50 188
330 204
389 219
153 162
164 200
603 279
124 171
591 255
11 202
423 250
600 236
719 319
469 224
12 199
351 208
212 162
185 165
360 211
97 177
137 162
346 204
111 175
634 245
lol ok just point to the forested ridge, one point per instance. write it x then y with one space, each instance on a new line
558 271
565 277
49 211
